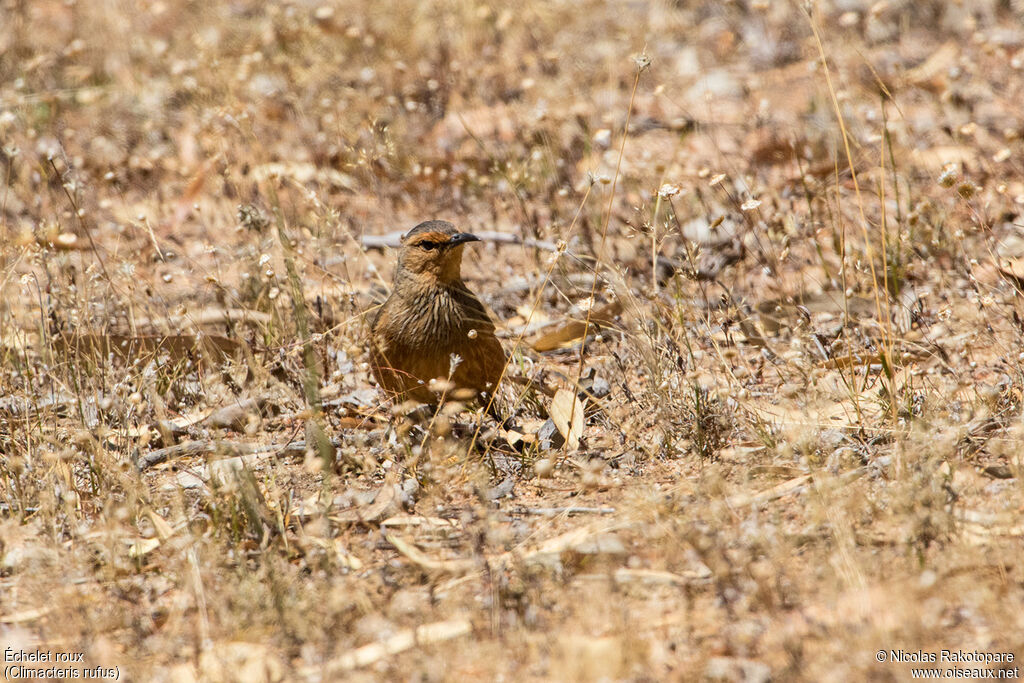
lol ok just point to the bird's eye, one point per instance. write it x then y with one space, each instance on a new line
430 245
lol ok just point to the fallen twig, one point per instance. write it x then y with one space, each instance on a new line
208 316
437 632
544 554
983 523
794 485
568 511
25 615
456 566
386 501
202 447
394 240
777 491
651 577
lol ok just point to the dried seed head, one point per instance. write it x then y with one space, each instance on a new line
949 177
967 189
440 386
252 218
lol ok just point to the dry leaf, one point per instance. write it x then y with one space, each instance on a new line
143 547
191 418
456 566
163 529
572 331
567 412
237 415
936 159
25 615
933 73
1013 269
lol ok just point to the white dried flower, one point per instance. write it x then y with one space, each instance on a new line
669 190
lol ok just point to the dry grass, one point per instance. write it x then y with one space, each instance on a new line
794 245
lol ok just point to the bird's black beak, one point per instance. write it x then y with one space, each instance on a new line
462 238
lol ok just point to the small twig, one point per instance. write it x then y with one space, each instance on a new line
25 616
204 317
427 634
795 485
202 447
394 240
200 595
791 486
454 566
624 576
228 448
555 511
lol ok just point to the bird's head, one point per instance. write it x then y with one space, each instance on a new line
434 250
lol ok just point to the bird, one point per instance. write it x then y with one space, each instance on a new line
432 327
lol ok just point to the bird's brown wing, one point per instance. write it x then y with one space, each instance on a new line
483 356
473 311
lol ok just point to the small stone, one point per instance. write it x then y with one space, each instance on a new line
544 468
410 488
600 388
548 436
737 669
